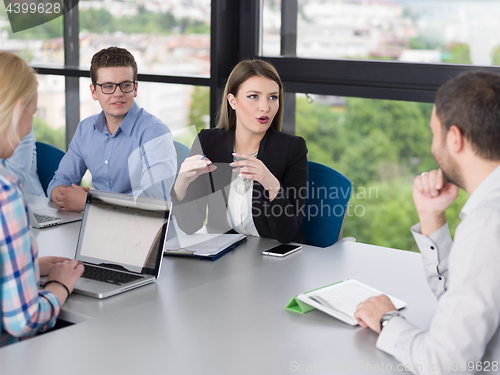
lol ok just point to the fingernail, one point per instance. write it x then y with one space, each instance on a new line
231 164
209 162
234 154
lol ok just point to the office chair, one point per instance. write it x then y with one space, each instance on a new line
47 162
182 153
325 210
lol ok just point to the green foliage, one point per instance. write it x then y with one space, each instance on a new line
97 20
382 214
101 21
373 140
321 126
199 110
457 53
421 42
197 27
48 30
454 210
44 133
380 145
495 56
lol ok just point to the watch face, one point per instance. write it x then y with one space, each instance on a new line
388 316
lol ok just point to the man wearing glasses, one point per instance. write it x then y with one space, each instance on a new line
126 149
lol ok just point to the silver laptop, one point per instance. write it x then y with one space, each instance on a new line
121 242
43 216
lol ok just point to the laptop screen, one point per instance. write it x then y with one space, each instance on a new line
123 231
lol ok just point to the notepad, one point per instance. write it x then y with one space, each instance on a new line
339 300
208 245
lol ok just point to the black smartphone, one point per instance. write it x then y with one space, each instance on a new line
282 250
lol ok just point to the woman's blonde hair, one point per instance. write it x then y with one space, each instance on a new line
17 81
244 70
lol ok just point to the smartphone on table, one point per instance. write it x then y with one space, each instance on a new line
282 250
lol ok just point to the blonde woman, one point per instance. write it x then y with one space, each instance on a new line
25 308
250 175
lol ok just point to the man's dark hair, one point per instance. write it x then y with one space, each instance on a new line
471 101
112 57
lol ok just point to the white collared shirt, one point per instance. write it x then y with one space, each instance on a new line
239 209
464 275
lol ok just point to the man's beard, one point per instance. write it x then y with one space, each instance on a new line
456 178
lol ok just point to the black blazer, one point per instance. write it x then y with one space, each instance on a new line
285 157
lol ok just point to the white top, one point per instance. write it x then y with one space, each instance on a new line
464 276
239 208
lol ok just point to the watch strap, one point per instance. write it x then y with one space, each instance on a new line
387 317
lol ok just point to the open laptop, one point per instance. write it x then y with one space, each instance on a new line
121 242
43 216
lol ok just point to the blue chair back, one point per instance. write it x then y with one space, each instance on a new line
182 153
47 162
326 205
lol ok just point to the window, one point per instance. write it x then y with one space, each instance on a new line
384 59
39 45
166 37
183 108
49 121
417 31
380 145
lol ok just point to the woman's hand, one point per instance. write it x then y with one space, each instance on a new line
46 263
254 169
190 169
67 273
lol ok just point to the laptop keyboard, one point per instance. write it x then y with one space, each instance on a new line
45 218
108 276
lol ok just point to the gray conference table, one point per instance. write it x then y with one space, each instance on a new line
224 317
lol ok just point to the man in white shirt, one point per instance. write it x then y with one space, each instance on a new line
464 335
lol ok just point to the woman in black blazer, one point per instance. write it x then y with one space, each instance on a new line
252 176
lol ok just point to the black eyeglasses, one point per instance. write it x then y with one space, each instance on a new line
109 88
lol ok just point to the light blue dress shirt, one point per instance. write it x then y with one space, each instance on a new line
139 159
22 165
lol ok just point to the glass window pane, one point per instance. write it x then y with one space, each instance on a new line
49 121
39 45
418 31
183 108
380 145
168 37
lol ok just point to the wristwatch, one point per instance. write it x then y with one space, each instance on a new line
388 316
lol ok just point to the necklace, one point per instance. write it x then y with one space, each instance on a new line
242 185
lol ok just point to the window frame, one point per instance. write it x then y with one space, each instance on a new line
235 35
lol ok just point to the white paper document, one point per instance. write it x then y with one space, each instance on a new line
204 244
341 299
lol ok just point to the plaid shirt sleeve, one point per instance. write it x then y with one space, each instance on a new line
25 309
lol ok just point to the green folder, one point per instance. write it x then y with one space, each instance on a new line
301 307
